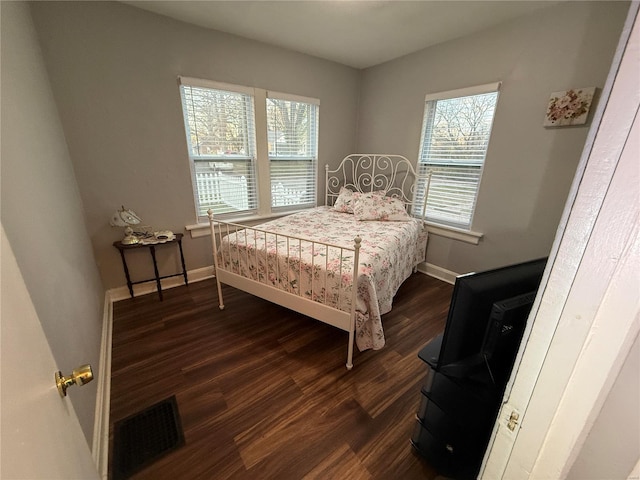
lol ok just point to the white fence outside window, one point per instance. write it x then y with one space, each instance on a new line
217 187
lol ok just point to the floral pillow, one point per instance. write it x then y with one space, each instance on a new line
347 198
377 207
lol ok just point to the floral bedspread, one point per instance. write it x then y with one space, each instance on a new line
388 253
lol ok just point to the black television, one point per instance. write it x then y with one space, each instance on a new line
474 334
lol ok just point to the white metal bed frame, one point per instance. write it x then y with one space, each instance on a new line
358 172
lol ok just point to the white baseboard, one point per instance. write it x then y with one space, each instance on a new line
122 293
438 272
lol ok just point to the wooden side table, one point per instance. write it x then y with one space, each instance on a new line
152 248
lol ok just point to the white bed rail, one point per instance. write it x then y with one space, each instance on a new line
229 259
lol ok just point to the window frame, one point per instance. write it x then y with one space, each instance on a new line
424 166
261 159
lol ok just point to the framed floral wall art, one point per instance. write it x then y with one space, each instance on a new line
570 107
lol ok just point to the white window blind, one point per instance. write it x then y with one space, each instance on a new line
220 130
455 136
292 135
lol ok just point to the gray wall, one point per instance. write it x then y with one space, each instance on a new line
113 71
42 211
528 168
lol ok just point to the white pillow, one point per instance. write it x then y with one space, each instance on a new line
370 206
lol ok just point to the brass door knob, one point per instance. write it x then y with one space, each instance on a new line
79 376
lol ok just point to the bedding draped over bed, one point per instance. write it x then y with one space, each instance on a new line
389 252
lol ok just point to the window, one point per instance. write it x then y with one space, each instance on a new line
251 151
293 150
221 139
455 136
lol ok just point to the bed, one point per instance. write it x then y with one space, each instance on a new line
340 263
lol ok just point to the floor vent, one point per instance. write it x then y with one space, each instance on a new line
146 436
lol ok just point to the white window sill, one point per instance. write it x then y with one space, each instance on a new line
203 229
467 236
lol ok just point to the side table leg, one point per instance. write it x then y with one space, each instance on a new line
126 272
152 249
184 268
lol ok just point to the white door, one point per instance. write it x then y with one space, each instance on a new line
41 437
580 336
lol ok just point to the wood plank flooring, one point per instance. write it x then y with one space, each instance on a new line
263 392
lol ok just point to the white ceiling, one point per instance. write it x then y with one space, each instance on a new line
355 33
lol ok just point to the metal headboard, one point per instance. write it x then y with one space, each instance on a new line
368 172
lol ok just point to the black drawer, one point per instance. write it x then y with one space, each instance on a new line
443 425
470 406
447 458
446 428
439 453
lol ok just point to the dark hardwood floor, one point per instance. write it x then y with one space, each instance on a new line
263 392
